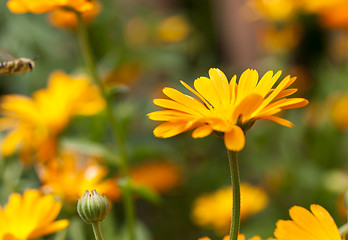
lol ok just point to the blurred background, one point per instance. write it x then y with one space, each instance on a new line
142 46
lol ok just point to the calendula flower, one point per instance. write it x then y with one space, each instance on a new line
317 224
72 174
339 112
240 237
173 29
276 10
43 6
227 108
159 176
34 123
214 210
67 19
30 216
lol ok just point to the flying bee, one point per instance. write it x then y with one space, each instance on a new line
13 65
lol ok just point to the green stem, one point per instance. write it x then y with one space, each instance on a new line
127 193
97 232
235 182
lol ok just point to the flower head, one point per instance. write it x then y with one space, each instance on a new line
214 209
30 216
67 19
225 107
36 122
43 6
72 174
317 224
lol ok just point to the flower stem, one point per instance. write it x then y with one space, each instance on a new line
235 182
127 193
97 231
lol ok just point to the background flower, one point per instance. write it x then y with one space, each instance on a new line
214 210
30 216
36 122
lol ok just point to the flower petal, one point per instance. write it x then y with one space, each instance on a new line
202 131
278 120
235 139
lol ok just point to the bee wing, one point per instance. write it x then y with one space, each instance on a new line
6 56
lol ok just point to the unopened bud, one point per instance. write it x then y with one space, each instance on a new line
92 207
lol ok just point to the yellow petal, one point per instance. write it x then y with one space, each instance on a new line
247 84
169 115
206 88
247 107
266 83
11 142
220 82
53 227
170 129
197 94
202 131
235 139
288 230
285 93
279 120
176 106
326 221
185 100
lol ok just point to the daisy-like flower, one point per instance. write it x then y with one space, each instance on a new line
317 224
240 237
35 123
70 175
67 19
43 6
30 216
226 107
214 210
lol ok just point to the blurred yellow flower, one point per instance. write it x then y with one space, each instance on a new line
72 174
224 107
30 216
275 10
42 6
36 122
316 6
214 210
67 19
305 225
158 176
339 112
173 29
277 39
240 237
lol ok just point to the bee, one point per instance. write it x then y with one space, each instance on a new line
13 65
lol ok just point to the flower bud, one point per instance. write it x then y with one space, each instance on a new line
92 207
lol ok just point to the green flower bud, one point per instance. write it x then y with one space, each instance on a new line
92 207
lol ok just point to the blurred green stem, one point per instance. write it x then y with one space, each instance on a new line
97 231
343 229
127 193
235 182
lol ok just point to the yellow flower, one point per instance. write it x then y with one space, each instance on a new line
159 176
173 29
43 6
240 237
30 216
35 123
339 112
71 175
214 209
278 10
306 225
229 108
67 19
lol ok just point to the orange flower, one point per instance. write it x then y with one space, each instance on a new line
67 19
305 225
173 29
227 108
30 216
43 6
36 122
240 237
72 174
159 176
